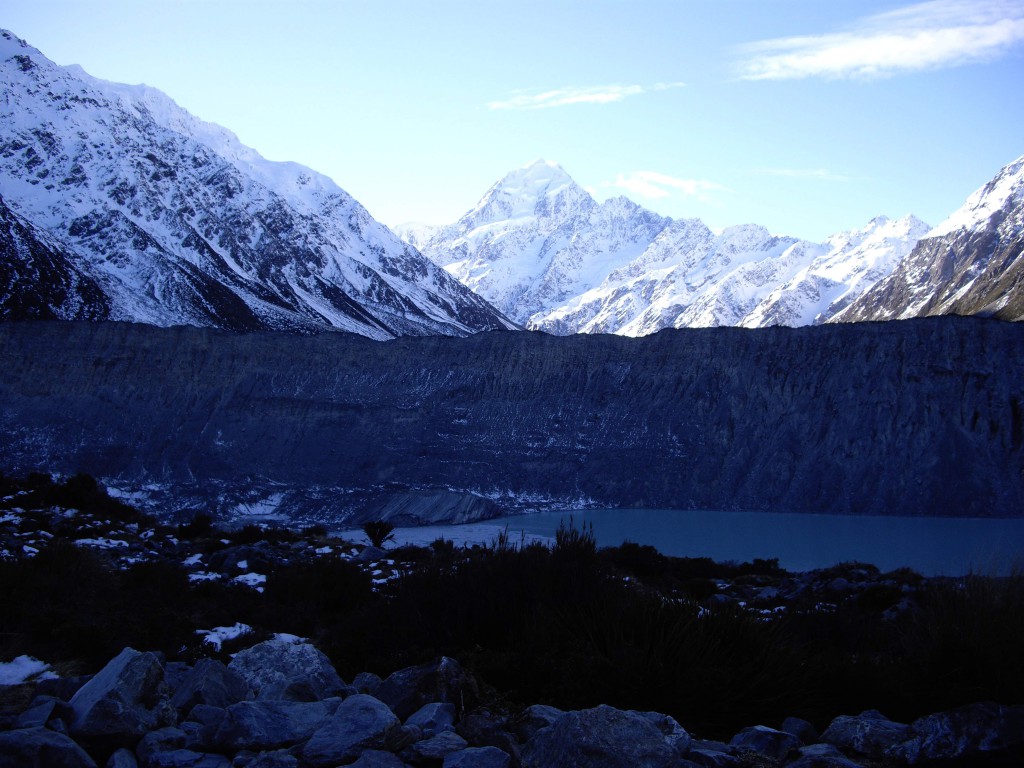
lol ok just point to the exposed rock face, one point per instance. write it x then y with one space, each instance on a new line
124 701
865 418
971 264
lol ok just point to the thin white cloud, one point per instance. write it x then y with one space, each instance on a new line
929 35
810 174
654 186
560 97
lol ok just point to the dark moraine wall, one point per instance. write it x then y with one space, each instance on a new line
922 417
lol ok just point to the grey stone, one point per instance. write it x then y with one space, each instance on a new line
370 554
675 735
433 718
822 756
603 737
267 725
42 710
174 673
712 758
210 682
277 759
406 690
122 758
376 758
41 748
478 757
160 740
185 758
125 700
360 722
485 728
402 736
802 729
208 720
281 669
366 682
765 741
434 748
870 733
974 732
534 718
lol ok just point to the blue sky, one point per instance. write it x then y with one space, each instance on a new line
807 116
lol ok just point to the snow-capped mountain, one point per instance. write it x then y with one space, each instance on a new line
120 204
537 239
971 264
547 254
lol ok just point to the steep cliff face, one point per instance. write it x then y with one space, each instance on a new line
916 417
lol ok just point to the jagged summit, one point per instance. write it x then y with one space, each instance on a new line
174 221
541 249
1006 190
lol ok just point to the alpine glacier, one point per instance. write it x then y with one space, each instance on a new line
545 253
117 203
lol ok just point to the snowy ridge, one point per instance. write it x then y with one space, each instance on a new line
1005 190
971 264
177 222
544 252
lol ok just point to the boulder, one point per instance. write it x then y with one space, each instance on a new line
366 682
277 759
675 735
485 728
973 732
870 733
122 758
283 669
434 749
41 748
533 719
478 757
359 723
406 690
433 718
185 758
602 737
124 701
376 758
160 740
765 741
42 710
802 729
822 756
712 758
268 725
210 682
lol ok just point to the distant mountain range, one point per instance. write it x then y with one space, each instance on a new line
543 251
117 204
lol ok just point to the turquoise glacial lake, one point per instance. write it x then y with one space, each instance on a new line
931 546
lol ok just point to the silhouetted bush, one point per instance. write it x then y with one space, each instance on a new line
200 525
379 532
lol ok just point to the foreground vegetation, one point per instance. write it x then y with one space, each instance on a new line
569 625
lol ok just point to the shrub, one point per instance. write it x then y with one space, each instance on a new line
379 532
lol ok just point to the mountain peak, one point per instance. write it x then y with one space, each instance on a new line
1006 189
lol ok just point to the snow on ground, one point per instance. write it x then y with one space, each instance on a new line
218 635
24 669
254 580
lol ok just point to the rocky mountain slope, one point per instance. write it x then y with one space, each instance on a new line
971 264
117 203
543 251
849 418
